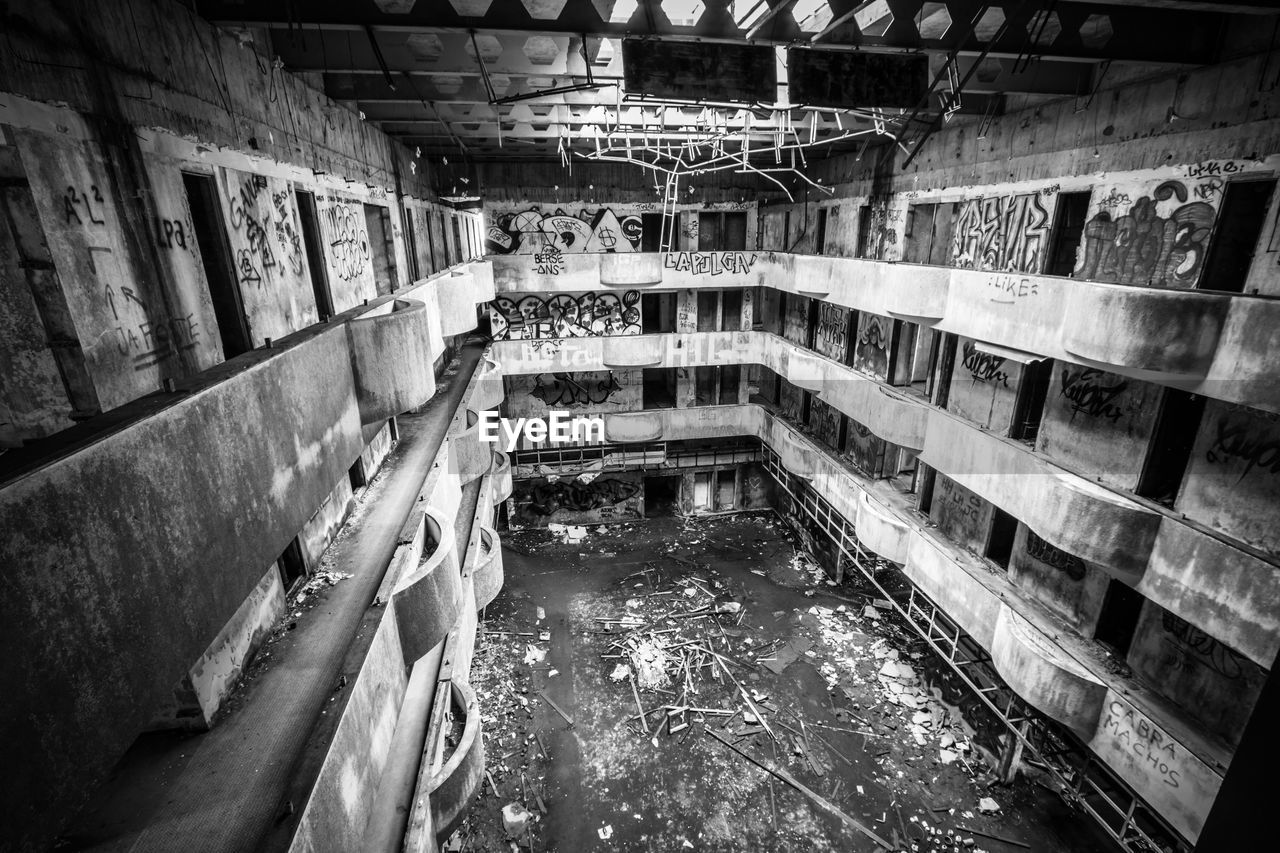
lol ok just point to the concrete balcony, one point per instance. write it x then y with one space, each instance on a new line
1210 343
450 790
428 598
487 573
634 426
880 530
631 269
391 360
470 456
501 473
459 293
488 392
634 351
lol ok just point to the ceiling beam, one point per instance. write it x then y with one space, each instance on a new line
1128 33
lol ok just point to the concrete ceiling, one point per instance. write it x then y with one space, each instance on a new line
486 79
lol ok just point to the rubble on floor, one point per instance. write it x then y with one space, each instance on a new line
692 665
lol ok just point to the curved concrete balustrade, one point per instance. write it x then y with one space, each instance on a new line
879 530
486 386
630 269
451 789
470 457
632 351
487 576
1064 509
458 295
633 426
1161 331
428 599
889 414
1221 342
483 289
391 361
1042 674
501 472
805 369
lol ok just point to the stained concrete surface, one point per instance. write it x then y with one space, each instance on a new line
242 784
606 785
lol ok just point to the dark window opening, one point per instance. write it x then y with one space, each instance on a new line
378 221
1068 226
726 488
704 386
820 234
786 231
731 310
657 313
942 375
1171 444
356 475
1119 617
708 302
219 269
709 232
925 479
651 232
730 379
457 239
814 320
661 496
1235 235
659 389
1028 408
1000 542
291 566
310 225
864 232
734 233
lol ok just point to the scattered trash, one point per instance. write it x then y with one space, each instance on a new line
515 819
986 805
605 832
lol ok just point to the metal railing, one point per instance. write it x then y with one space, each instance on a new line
1083 780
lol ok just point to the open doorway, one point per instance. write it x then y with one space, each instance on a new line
219 269
657 313
1028 408
651 232
659 389
1068 226
1119 617
726 489
1171 442
1000 542
378 220
309 221
661 495
1235 235
291 566
820 232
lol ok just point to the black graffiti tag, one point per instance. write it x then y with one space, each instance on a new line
984 367
1240 440
1090 393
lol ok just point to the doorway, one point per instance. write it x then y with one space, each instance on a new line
1235 235
820 234
1177 425
726 489
1068 226
377 220
657 313
219 269
702 491
309 221
1000 541
291 566
1119 617
661 495
1028 407
651 232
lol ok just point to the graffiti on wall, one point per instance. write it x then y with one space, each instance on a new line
1042 552
1133 734
574 496
824 420
1092 392
1197 647
529 232
575 389
348 240
1143 247
565 316
1005 233
864 449
709 263
1247 439
872 353
982 366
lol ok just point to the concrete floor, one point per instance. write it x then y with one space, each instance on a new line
607 786
241 785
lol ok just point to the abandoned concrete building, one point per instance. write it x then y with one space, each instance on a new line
927 359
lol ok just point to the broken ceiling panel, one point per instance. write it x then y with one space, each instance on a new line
823 78
699 71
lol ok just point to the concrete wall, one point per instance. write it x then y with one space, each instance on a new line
564 315
602 500
984 387
964 517
872 343
532 396
1233 477
1099 423
1063 582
